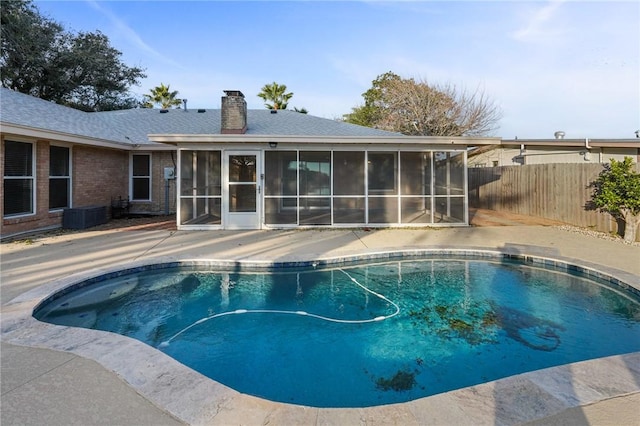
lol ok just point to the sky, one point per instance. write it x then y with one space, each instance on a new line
568 65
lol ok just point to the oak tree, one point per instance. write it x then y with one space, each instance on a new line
40 58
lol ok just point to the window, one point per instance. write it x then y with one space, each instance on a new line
382 173
352 188
59 177
349 187
200 187
281 187
348 175
141 177
18 178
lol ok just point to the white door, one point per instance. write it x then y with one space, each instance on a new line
242 197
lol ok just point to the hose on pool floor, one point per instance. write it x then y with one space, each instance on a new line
301 313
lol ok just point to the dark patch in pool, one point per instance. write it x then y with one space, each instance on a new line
475 323
189 284
513 322
401 381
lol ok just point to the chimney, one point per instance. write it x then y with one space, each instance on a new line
234 113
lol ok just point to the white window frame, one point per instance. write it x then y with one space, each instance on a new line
382 193
34 171
132 177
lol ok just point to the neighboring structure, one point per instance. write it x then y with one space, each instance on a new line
235 168
559 150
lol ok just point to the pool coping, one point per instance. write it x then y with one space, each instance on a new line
196 399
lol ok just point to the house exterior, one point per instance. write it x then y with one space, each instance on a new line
228 168
558 150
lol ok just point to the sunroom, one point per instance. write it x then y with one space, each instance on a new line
292 182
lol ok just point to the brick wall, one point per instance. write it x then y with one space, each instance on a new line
105 170
159 160
42 218
99 175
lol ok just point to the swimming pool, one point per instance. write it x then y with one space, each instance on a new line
359 335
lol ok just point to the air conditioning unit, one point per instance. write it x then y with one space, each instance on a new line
84 217
169 173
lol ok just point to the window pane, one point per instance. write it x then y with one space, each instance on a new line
280 174
242 198
200 211
383 210
382 173
58 161
449 173
141 164
141 189
315 173
457 170
242 168
200 173
280 211
416 209
18 159
348 173
415 175
17 196
348 210
449 210
315 211
58 193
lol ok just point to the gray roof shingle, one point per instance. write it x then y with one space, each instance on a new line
133 125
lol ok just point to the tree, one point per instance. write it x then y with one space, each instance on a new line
22 65
370 113
79 70
617 191
161 95
275 93
100 82
418 108
301 110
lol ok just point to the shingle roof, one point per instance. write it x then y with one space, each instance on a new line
133 125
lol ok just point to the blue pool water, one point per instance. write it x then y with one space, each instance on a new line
361 335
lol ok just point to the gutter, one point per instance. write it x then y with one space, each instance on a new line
245 138
26 131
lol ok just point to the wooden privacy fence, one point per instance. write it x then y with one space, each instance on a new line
553 191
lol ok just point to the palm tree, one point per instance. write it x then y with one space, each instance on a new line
275 93
161 95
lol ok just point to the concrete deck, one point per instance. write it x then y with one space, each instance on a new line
60 376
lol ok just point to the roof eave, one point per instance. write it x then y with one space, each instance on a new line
31 132
292 139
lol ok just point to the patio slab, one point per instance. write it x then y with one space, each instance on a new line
35 380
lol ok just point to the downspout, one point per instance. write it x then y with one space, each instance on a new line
587 154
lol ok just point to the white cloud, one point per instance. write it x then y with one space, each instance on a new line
131 36
541 25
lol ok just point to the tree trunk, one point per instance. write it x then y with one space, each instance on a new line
631 223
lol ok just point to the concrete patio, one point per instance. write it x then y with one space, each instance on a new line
63 377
